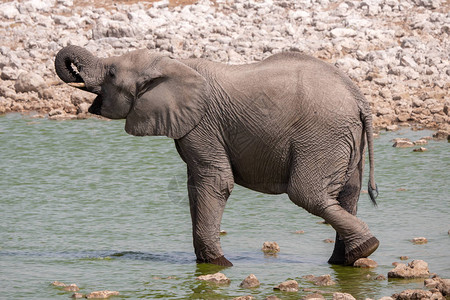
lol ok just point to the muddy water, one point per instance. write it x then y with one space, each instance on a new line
83 202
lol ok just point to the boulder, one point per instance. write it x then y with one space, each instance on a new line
270 248
328 241
78 296
415 269
29 82
102 294
441 135
443 285
250 282
418 295
404 257
217 278
421 149
365 263
287 286
343 296
272 298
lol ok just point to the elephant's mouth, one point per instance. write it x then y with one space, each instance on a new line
96 107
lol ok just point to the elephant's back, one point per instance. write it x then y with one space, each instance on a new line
291 88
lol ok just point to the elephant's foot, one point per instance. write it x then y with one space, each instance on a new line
361 251
338 256
220 261
341 257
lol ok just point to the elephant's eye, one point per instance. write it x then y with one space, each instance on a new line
112 71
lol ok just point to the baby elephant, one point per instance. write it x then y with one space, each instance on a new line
289 124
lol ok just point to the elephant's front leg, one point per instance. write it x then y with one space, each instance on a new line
208 194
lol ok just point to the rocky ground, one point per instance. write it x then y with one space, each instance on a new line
397 51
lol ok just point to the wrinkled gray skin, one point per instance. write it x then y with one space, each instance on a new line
289 124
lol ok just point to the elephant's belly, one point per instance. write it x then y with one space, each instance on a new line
261 168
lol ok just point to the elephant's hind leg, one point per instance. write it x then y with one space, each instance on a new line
355 239
348 200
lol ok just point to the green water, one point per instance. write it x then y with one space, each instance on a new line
83 202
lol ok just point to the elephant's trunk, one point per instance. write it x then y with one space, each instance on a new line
79 68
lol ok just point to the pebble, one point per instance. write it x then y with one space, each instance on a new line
323 280
270 247
394 45
247 297
313 296
250 282
420 240
58 283
418 294
421 149
217 278
343 296
403 144
287 286
365 263
102 294
71 288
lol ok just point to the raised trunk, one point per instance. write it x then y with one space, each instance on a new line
78 67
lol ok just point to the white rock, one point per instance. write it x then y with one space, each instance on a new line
343 32
28 82
9 10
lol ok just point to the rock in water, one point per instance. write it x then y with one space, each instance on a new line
270 248
418 294
59 284
365 263
71 288
415 269
324 280
443 285
217 278
314 296
287 286
102 294
403 144
343 296
419 240
250 282
248 297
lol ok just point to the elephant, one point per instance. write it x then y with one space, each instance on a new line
289 124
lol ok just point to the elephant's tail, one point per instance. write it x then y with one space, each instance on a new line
372 188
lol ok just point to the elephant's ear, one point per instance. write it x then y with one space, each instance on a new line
170 100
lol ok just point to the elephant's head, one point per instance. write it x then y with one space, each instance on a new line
156 95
